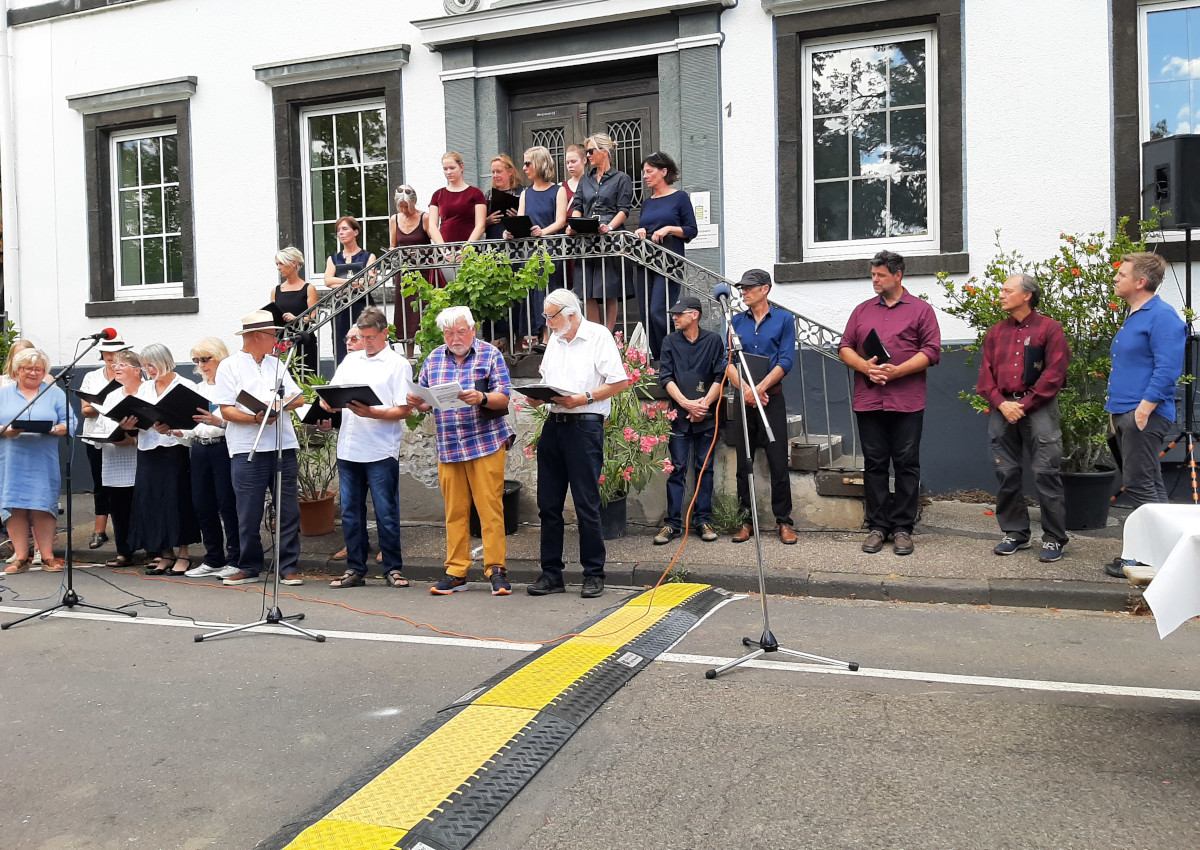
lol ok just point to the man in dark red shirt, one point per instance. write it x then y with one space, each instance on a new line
1025 359
890 340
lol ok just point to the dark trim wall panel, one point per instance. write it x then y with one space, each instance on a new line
790 32
1127 142
60 8
288 101
98 128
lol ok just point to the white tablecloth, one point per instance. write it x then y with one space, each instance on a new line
1168 537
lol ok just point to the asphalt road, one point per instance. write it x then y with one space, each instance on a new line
966 727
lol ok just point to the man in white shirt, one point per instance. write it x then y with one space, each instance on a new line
581 356
255 370
368 450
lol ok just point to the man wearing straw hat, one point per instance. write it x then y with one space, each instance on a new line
255 370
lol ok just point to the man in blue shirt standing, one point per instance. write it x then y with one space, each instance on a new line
1147 360
770 333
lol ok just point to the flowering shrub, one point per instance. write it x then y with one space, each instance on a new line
1077 291
635 433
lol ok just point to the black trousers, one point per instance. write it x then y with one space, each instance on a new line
99 491
1039 432
891 441
777 456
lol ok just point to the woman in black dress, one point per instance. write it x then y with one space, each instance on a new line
293 297
606 193
347 230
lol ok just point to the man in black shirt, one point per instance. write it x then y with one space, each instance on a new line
690 370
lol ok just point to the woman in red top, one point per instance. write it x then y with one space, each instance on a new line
458 212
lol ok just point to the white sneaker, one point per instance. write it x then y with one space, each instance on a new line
226 571
203 570
37 556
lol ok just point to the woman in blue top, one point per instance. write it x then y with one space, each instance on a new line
347 230
545 202
669 219
29 461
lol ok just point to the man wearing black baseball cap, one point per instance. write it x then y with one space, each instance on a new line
690 368
770 333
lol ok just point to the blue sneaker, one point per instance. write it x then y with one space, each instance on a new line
1009 545
449 584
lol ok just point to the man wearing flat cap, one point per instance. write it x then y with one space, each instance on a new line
690 370
255 370
769 333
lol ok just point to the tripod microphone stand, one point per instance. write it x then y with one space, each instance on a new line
70 598
1189 367
273 616
767 643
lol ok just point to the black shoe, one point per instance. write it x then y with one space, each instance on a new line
1116 567
1051 551
593 586
544 586
1009 545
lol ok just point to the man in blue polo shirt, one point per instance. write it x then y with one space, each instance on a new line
769 332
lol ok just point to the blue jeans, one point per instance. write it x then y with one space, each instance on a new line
215 503
251 483
571 453
382 478
690 447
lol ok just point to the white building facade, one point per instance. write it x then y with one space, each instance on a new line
157 153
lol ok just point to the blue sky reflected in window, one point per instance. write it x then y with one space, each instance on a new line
1173 71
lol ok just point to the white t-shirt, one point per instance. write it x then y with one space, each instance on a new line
118 463
151 439
389 374
584 363
240 372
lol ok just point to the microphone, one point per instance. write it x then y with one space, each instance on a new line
722 294
107 333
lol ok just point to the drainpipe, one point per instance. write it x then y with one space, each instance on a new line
8 180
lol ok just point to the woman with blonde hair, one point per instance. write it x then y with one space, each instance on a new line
119 460
294 296
212 477
163 520
545 202
93 382
29 477
606 193
504 179
457 212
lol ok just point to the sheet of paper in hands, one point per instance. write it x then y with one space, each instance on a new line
442 396
543 392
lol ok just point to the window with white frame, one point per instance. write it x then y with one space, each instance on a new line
345 172
1170 63
869 142
147 218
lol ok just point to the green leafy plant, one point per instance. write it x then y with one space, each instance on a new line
728 514
316 457
635 433
8 335
1077 291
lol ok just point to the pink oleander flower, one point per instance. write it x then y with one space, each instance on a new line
518 406
648 444
650 410
671 414
630 435
668 467
627 473
528 452
651 371
601 480
635 374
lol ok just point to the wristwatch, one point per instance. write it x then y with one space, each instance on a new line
588 395
483 401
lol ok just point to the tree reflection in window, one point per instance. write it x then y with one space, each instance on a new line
870 127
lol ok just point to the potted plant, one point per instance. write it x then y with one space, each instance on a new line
1077 291
635 439
316 460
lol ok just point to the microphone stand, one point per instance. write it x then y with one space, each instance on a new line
70 598
274 616
767 642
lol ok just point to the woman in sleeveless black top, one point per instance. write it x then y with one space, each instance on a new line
409 228
293 296
347 230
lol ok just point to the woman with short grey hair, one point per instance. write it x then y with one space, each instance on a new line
294 296
605 193
163 519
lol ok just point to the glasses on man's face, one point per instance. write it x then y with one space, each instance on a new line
455 333
199 360
549 316
369 337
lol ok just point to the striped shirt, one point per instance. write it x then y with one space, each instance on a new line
462 434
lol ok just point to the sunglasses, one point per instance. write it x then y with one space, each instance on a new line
528 164
591 151
199 360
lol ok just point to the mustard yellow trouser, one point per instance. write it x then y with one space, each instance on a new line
482 481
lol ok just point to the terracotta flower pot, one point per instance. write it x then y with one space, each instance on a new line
316 516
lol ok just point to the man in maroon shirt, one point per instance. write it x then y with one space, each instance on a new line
889 397
1025 359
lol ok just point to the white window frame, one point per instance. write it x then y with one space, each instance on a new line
1145 9
849 249
315 264
144 291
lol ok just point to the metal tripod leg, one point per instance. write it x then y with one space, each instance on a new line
70 600
767 644
274 618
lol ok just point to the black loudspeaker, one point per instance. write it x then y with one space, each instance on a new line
1171 181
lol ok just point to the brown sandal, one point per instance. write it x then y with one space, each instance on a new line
348 579
21 565
53 565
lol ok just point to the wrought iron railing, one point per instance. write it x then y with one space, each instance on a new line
633 261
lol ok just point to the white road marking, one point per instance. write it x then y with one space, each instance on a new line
677 658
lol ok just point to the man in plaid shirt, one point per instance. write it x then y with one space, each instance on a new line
472 442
